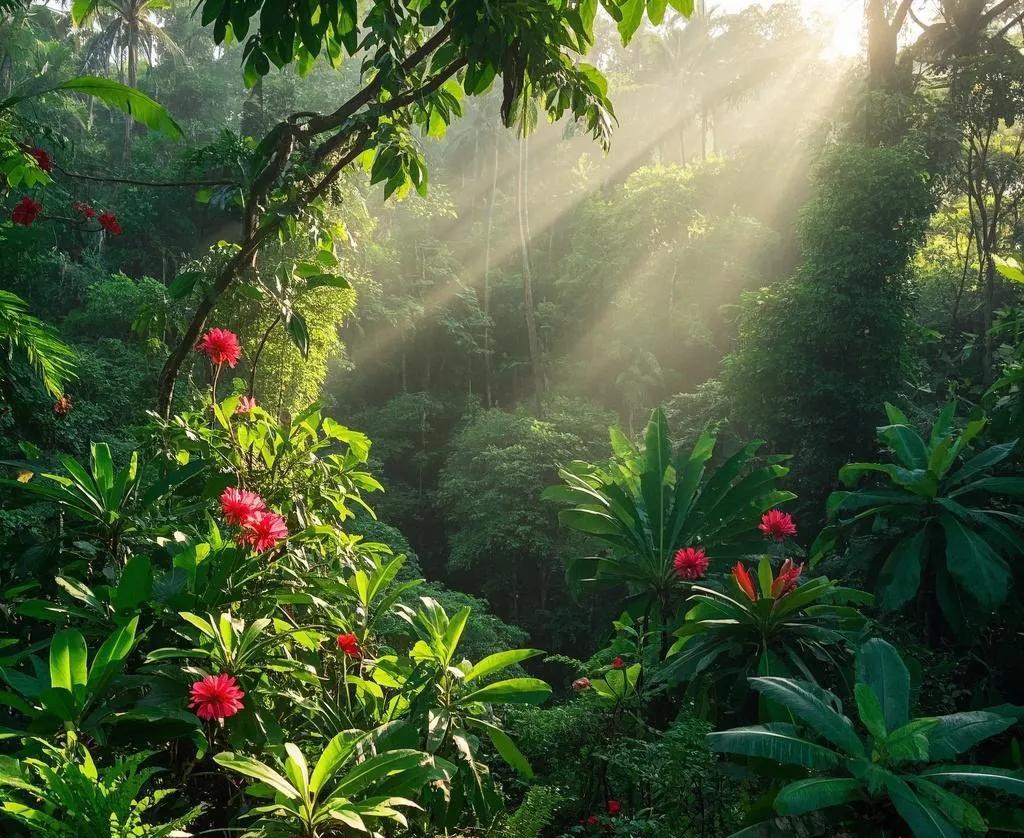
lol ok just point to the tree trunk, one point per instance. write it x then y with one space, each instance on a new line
488 380
133 76
532 337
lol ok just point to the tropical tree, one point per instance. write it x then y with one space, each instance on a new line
124 28
939 520
885 778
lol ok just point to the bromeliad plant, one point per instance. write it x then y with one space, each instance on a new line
644 506
771 627
940 519
885 779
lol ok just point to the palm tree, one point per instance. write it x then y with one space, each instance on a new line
121 29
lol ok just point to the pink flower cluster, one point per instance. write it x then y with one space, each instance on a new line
259 527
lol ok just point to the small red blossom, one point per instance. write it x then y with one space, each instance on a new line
739 573
593 820
263 530
239 505
216 697
691 563
220 346
777 525
84 209
581 684
349 644
43 160
614 807
26 211
618 663
246 405
786 580
108 221
63 405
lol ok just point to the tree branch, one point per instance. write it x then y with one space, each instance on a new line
137 182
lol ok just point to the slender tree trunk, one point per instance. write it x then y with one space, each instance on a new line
532 337
488 369
133 77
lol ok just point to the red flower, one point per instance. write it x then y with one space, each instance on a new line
263 530
581 684
593 820
43 160
618 663
220 346
614 807
216 697
239 506
349 644
108 221
246 405
63 405
85 209
739 573
691 563
26 211
777 524
786 580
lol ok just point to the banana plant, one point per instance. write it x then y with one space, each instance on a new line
939 516
349 790
885 778
645 505
783 629
71 692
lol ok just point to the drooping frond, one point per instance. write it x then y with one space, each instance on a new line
51 358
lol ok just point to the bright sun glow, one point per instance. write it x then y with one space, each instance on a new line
842 18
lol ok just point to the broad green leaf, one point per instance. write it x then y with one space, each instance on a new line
805 796
504 745
881 668
779 745
511 691
337 752
498 661
870 711
999 779
900 577
133 102
258 771
959 732
804 701
979 570
68 657
111 654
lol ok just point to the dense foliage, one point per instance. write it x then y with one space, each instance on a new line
315 318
